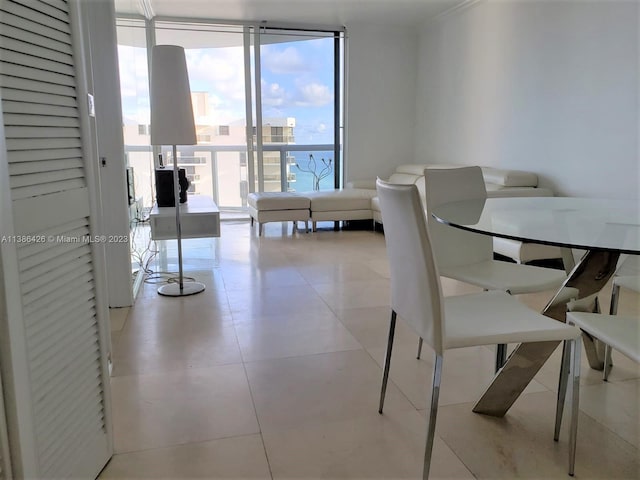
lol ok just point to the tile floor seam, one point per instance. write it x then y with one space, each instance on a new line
255 412
390 380
175 445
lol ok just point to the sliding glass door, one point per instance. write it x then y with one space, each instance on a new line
265 105
299 112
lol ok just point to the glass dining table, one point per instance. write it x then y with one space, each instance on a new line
603 229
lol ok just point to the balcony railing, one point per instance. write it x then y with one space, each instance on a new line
194 155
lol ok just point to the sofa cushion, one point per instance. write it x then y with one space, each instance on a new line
339 200
277 201
509 178
404 178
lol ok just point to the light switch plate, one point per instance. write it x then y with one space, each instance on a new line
91 105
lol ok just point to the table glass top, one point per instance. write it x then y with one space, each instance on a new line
593 224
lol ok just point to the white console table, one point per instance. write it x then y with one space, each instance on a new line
199 217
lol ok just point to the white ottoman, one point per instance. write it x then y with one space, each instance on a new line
278 207
341 205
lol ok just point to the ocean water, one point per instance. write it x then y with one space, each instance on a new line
304 179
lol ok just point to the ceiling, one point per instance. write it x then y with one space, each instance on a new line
409 13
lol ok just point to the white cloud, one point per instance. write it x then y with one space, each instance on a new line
313 95
288 60
273 95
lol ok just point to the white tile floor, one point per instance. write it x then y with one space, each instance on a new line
274 372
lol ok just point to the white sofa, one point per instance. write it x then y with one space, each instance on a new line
498 182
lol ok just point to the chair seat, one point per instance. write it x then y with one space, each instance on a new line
620 333
496 317
630 282
497 275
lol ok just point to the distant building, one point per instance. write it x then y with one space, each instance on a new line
219 172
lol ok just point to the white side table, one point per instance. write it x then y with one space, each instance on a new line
199 217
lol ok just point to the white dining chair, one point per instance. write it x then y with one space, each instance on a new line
626 277
617 332
445 323
468 256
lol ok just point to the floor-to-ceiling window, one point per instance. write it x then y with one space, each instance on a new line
300 115
267 112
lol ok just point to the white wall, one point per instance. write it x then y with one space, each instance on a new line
380 100
113 190
550 87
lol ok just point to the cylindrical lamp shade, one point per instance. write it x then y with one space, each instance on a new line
171 110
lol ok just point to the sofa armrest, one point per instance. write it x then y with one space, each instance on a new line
370 184
494 191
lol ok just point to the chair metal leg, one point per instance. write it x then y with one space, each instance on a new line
433 412
259 229
252 221
576 352
501 355
419 348
608 362
387 360
613 310
562 387
615 292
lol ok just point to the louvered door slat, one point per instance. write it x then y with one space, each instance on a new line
40 121
38 252
36 167
33 15
27 250
9 56
35 274
42 143
46 411
45 178
52 275
67 335
29 26
47 408
34 73
51 201
37 308
75 342
74 427
23 84
21 131
46 8
63 463
37 97
39 190
49 289
50 53
48 154
45 318
40 327
59 4
36 39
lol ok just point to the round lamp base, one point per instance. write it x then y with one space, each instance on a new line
188 288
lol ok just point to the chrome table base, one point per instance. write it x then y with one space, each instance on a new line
582 285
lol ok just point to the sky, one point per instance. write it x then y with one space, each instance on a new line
297 81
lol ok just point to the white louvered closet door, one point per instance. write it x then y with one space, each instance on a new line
66 432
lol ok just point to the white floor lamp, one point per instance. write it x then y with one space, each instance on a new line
172 124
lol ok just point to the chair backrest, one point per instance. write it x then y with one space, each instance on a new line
452 246
416 293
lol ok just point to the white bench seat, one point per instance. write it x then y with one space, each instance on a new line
267 207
